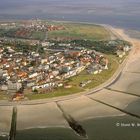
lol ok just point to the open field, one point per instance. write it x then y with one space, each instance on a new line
80 31
38 35
71 31
55 93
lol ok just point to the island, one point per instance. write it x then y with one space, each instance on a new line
41 59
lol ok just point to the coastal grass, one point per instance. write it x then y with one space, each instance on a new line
75 81
71 31
80 31
38 35
55 93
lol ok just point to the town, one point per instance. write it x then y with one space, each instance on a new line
41 64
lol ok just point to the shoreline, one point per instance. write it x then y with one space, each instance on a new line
78 105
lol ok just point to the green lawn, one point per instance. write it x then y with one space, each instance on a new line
58 92
72 30
38 35
81 31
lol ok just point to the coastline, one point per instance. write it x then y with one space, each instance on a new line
79 105
116 32
73 105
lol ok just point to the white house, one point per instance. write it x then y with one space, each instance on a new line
33 75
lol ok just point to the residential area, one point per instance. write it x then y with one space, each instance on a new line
33 65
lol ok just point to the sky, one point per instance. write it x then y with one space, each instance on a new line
83 10
30 7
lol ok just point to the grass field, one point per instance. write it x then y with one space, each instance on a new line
38 35
72 31
55 93
81 31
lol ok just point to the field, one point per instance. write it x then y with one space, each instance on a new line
80 31
55 93
70 31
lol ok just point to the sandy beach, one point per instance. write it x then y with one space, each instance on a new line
135 53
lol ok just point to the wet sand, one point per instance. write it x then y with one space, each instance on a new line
39 116
5 119
84 108
117 99
128 82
